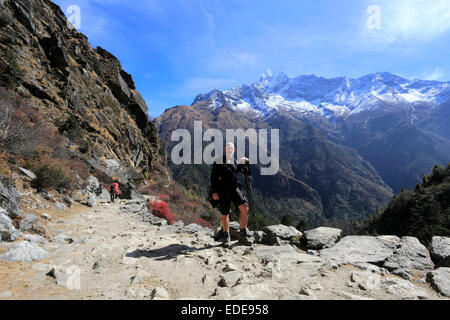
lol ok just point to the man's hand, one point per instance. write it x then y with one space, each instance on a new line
244 160
215 196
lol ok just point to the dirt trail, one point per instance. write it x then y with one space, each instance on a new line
111 252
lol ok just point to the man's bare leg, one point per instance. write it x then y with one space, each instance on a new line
243 217
225 219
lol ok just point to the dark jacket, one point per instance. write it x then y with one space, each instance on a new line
224 176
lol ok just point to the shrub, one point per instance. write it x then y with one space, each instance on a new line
50 176
302 225
161 209
10 72
71 127
287 220
23 132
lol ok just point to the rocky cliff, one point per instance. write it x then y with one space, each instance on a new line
53 67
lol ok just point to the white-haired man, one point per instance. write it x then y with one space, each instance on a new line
226 189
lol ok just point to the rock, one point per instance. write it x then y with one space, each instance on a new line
46 195
69 201
28 173
7 231
222 293
156 221
322 237
235 230
348 295
159 293
260 291
60 206
230 267
92 184
28 221
316 286
46 216
35 238
9 197
365 280
193 228
140 277
406 274
403 289
69 277
440 251
92 201
46 268
139 293
104 195
281 234
440 280
299 297
231 279
24 251
372 268
280 261
258 236
361 249
410 255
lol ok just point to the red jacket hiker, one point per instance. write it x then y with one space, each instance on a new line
114 186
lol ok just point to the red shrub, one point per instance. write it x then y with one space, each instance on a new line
161 209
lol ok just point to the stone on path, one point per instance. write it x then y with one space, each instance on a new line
24 251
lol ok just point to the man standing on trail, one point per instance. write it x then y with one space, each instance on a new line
114 191
226 189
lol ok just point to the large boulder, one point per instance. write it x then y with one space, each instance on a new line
92 184
440 280
9 197
7 231
92 201
410 255
362 249
104 195
24 251
281 234
322 237
440 251
280 261
28 221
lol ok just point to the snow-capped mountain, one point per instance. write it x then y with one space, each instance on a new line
309 95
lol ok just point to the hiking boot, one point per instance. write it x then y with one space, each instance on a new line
245 238
226 240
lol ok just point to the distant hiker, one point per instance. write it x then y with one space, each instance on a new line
226 189
114 191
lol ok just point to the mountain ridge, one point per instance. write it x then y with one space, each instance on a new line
340 96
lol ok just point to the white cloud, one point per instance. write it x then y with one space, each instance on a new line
410 20
436 74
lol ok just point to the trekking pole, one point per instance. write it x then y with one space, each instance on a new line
248 187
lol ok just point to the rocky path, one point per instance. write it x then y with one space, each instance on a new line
118 251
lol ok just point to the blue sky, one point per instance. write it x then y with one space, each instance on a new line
176 49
